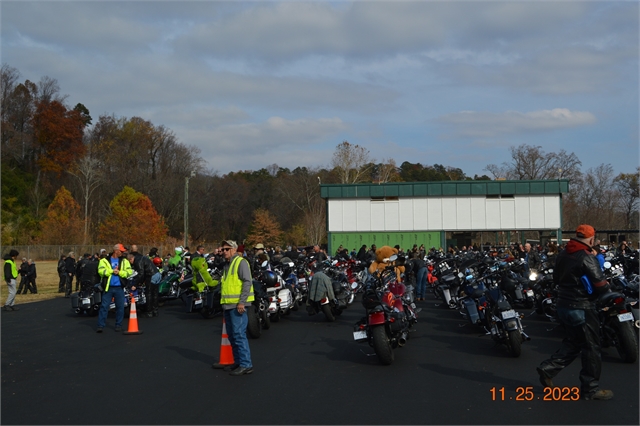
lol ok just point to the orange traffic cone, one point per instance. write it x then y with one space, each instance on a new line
133 318
226 353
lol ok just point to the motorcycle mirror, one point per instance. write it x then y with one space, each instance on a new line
334 263
264 264
354 285
607 265
393 258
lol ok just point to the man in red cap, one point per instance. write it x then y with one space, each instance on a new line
114 270
577 313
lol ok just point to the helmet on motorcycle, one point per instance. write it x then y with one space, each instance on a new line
157 261
269 278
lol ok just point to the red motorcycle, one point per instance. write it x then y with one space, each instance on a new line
390 314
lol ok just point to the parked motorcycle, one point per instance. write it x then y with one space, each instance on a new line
616 326
87 300
390 314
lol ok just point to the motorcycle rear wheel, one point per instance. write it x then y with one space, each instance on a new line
514 341
327 311
381 344
627 344
266 320
253 326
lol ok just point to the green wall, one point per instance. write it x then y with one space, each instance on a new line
406 240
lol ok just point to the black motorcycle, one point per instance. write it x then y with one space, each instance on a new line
87 300
617 326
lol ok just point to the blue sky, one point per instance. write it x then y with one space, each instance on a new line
256 83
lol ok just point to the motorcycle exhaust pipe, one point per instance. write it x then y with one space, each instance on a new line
447 296
402 340
526 336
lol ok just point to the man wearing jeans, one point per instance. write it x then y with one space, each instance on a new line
114 270
577 313
236 293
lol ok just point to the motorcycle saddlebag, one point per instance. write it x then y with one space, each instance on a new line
74 300
188 302
97 297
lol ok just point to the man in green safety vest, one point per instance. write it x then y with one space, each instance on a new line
236 295
10 277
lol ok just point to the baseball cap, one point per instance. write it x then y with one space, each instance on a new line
585 231
120 247
230 243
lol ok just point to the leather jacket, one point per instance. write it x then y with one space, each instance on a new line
574 262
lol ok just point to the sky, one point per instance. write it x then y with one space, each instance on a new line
251 84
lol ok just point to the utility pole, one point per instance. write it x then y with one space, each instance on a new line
186 206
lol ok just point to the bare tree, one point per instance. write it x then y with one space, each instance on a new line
627 186
49 90
351 162
532 163
89 178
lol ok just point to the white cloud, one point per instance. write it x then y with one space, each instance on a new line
472 124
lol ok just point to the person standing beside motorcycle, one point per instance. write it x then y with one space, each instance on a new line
148 274
319 288
420 270
236 293
531 257
70 271
577 313
114 270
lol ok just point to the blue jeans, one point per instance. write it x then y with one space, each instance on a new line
236 325
117 293
421 283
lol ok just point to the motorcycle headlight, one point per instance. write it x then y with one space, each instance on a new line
533 276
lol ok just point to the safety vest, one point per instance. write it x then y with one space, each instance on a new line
14 270
106 271
232 284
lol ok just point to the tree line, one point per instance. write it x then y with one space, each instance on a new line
69 180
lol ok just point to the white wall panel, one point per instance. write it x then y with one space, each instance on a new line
377 216
537 212
463 213
552 211
478 213
335 215
523 214
449 214
349 214
364 215
420 213
392 216
507 214
493 213
406 214
434 213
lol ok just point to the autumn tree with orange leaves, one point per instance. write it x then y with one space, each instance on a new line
132 219
63 224
58 136
264 229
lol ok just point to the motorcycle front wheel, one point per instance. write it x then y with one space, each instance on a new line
253 326
381 344
627 345
514 341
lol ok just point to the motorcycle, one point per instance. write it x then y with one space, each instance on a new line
616 326
169 286
502 321
87 300
545 292
390 314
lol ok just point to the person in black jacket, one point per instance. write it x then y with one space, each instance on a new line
148 274
577 313
62 274
24 281
70 270
31 278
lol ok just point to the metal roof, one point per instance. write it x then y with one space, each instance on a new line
445 188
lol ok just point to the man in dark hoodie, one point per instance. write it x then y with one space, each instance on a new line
577 313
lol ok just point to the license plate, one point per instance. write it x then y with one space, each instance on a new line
530 293
359 335
509 314
199 302
625 317
302 280
84 300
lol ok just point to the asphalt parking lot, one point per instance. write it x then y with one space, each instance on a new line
57 370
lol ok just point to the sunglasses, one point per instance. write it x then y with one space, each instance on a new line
225 248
